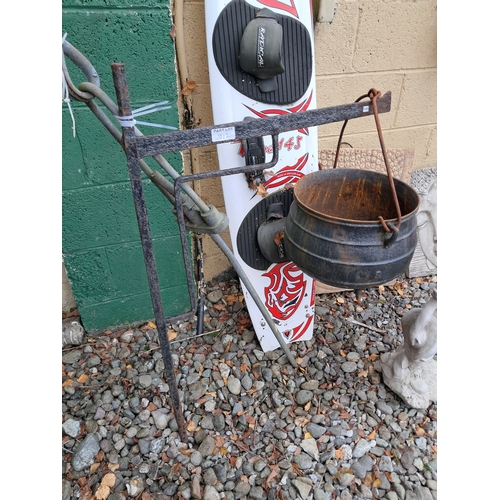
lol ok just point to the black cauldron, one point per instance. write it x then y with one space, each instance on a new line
333 232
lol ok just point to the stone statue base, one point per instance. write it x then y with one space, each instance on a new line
418 385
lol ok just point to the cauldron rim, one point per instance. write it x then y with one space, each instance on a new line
355 172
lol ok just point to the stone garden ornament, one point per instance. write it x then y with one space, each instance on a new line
411 370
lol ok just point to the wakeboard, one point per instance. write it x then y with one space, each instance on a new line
261 64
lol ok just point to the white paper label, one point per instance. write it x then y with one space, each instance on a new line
366 109
223 134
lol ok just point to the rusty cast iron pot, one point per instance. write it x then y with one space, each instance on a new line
333 234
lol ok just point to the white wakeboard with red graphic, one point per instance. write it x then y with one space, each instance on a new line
279 36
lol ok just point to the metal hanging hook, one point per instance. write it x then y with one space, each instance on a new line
373 95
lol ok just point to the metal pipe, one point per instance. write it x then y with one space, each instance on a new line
255 296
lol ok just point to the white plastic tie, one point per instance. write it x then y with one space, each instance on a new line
130 121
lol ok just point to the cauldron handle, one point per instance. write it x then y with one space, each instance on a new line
389 228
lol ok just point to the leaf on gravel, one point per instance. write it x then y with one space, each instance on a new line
244 367
362 373
273 474
250 421
297 470
171 334
376 483
86 493
242 446
108 481
191 426
219 441
339 454
342 353
419 431
102 492
94 467
340 300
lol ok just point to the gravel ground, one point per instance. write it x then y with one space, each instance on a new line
257 428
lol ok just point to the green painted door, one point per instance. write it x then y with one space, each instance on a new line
100 240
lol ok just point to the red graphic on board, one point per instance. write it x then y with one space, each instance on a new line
298 331
302 106
286 290
291 173
286 6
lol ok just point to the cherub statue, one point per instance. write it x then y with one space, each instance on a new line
411 371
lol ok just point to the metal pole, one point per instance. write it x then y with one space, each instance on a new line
129 140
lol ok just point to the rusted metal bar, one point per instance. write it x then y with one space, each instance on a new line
129 144
246 129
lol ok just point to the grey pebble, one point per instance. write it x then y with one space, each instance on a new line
362 466
303 461
207 446
160 419
145 381
71 427
315 430
303 396
196 458
234 385
215 296
85 453
349 366
321 495
210 493
246 382
384 408
362 447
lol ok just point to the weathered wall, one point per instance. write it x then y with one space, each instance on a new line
386 44
101 245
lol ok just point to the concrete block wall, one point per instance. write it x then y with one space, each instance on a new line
101 246
386 44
